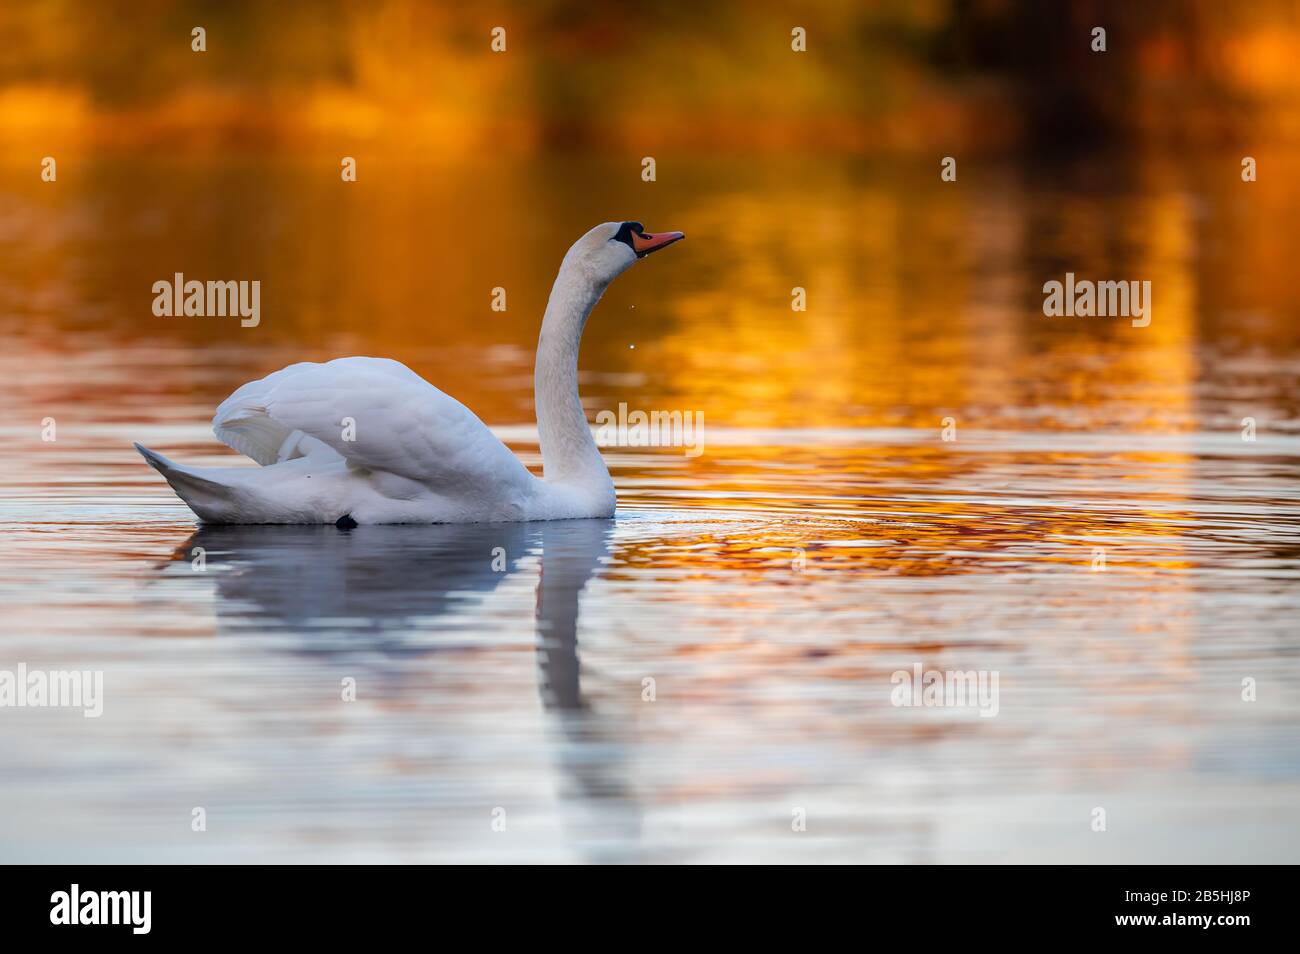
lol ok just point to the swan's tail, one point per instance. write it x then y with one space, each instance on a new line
209 499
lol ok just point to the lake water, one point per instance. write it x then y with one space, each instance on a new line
710 671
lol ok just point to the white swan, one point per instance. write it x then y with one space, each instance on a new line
414 454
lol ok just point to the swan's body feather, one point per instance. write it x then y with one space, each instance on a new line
365 438
378 415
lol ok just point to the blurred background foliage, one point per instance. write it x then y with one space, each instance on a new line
880 77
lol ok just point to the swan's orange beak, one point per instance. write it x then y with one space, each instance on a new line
643 243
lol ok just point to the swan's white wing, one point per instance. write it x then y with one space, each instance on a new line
239 425
401 424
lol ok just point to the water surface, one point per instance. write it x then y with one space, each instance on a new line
827 537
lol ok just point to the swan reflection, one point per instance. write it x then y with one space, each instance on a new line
379 588
366 581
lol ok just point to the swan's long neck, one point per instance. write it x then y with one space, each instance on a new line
569 452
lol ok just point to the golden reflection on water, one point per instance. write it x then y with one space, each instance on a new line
923 302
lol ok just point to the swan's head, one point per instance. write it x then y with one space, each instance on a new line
611 248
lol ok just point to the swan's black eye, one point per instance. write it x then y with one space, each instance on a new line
625 231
